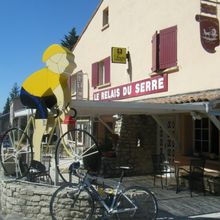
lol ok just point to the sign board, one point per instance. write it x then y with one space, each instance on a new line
148 86
209 32
208 9
118 55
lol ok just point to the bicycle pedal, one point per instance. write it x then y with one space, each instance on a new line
71 194
106 216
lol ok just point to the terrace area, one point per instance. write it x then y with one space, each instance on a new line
180 205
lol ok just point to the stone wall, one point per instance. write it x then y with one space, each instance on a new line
137 141
26 199
32 201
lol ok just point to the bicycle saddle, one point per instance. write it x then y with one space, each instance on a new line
124 168
74 166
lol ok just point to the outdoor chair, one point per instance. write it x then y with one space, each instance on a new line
40 172
161 167
194 176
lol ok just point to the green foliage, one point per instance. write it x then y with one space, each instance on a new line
70 39
13 94
6 108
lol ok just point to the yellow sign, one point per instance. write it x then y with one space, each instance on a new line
118 55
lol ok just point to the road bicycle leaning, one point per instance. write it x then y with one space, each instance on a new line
93 198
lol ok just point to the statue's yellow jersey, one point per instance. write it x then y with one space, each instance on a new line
43 82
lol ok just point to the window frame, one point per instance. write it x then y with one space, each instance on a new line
74 85
105 18
201 129
101 73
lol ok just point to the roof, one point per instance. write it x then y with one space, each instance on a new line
201 96
4 115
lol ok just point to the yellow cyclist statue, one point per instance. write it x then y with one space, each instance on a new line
47 88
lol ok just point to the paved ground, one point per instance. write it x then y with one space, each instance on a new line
180 206
173 206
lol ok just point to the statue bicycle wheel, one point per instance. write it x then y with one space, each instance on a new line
16 153
77 145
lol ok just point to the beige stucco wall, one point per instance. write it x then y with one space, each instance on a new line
132 24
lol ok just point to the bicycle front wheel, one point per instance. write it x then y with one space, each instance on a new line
77 145
71 202
16 153
139 197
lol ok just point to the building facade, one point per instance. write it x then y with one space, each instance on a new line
155 52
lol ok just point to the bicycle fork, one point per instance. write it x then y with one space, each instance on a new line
113 209
131 209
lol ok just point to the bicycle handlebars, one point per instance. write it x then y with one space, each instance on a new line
72 111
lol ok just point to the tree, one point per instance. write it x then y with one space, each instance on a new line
6 108
70 39
13 94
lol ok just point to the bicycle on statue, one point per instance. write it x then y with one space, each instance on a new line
77 200
16 153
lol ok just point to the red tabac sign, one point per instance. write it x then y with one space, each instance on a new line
209 32
143 87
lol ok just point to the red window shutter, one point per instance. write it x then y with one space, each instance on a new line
168 47
94 74
107 62
154 52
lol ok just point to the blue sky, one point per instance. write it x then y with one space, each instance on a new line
28 27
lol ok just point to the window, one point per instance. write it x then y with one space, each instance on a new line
101 72
206 137
105 18
164 49
74 85
201 140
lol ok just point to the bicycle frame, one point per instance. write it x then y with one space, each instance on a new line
57 123
112 208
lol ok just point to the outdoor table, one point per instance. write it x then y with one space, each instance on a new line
178 164
213 180
168 168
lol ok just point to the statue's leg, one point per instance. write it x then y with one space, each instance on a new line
39 129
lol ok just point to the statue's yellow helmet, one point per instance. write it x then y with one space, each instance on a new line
54 49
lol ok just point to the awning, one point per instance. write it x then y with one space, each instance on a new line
23 112
197 110
96 109
93 108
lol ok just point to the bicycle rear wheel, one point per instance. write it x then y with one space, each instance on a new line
76 145
141 197
16 153
69 202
